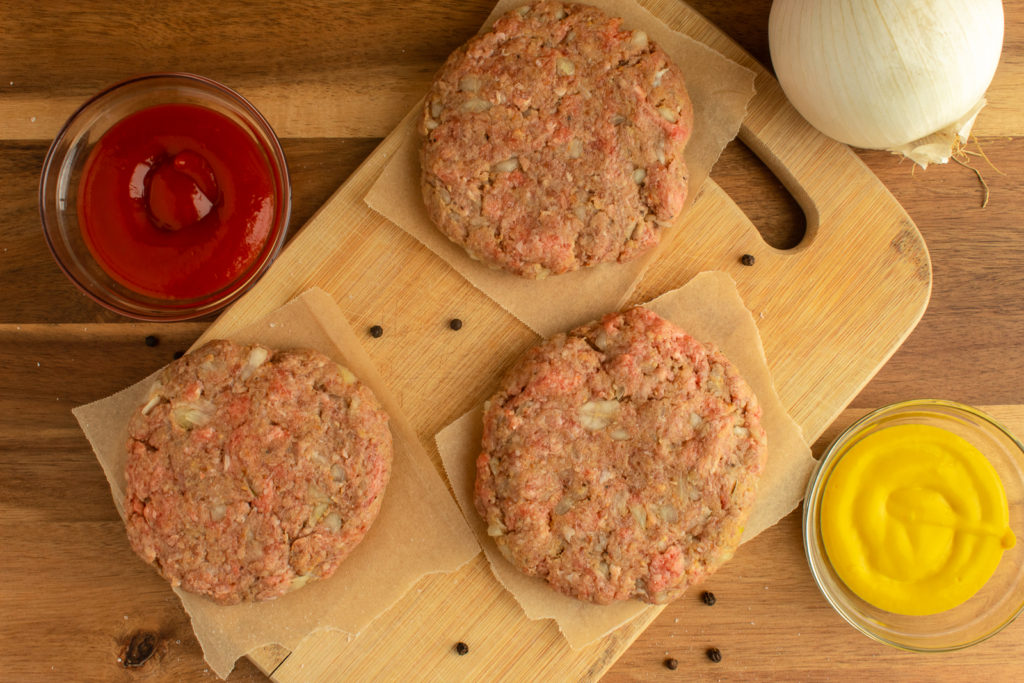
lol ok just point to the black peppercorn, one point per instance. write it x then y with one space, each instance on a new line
672 663
708 597
152 340
747 259
178 354
376 331
714 654
461 648
455 324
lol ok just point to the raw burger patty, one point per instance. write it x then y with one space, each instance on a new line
620 460
252 471
555 141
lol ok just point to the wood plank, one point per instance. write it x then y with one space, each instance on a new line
342 69
339 70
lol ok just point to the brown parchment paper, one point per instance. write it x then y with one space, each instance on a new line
418 531
710 309
720 90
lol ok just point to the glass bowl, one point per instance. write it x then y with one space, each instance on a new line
997 603
63 172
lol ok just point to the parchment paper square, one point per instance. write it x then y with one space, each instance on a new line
719 89
708 308
418 531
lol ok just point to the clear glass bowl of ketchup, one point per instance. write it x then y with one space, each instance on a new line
165 197
913 525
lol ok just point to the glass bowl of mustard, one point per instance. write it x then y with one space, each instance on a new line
165 196
913 524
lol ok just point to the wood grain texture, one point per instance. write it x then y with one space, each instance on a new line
334 78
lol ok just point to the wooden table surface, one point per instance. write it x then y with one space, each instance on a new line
333 79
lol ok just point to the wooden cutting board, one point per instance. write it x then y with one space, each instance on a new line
830 311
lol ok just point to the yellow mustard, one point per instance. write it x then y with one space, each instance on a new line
914 519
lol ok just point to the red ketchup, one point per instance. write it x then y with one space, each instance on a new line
176 202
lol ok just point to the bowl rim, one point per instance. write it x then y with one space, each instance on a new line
812 503
186 309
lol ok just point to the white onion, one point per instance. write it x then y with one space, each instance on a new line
904 75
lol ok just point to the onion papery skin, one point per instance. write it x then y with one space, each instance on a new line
902 75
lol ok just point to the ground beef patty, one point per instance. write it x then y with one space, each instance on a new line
620 460
252 471
555 141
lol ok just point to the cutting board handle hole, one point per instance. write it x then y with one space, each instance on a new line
760 195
